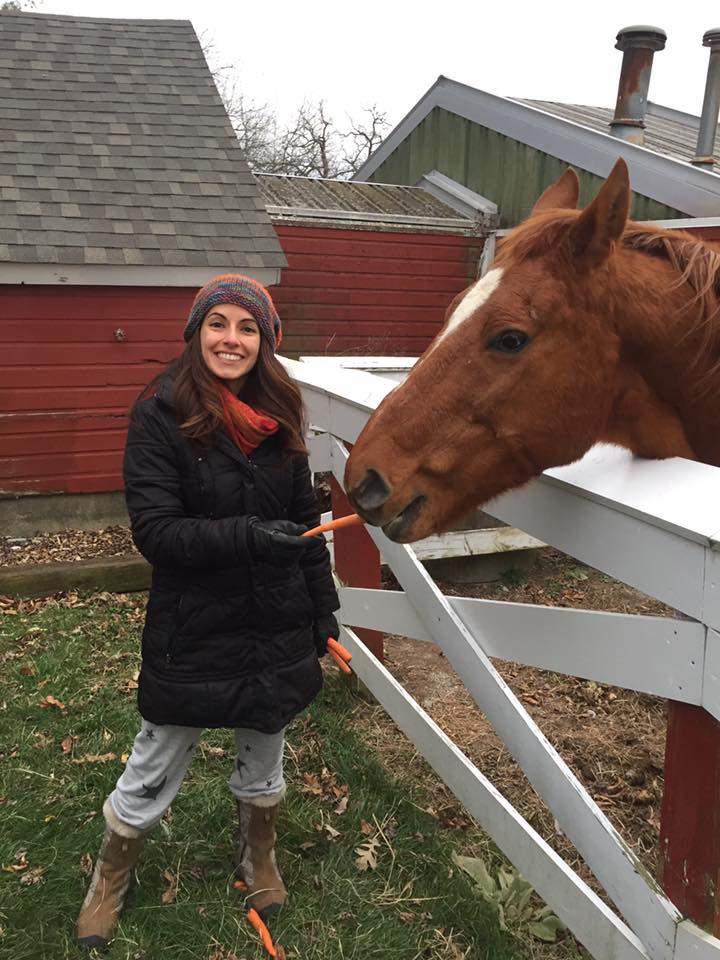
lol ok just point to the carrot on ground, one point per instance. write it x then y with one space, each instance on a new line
256 922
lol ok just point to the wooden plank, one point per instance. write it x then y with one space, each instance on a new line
690 818
474 543
692 943
591 920
650 914
652 655
116 574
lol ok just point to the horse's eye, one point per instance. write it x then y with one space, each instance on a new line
509 341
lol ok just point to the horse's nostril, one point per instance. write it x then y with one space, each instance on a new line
371 492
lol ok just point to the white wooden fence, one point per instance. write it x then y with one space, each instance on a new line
653 525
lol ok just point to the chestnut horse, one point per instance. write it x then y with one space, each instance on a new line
587 328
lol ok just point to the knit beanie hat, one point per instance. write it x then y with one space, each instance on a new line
242 292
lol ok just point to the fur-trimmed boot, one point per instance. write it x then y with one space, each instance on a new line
256 864
119 853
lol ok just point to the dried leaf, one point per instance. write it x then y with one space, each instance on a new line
331 833
308 845
86 864
172 880
342 806
67 744
21 863
95 758
367 855
51 701
367 828
32 876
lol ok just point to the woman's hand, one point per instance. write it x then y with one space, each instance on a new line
279 542
324 627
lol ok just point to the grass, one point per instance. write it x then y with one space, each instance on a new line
68 701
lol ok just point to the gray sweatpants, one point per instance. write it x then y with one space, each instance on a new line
161 756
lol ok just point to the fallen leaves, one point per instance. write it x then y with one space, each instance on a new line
367 854
67 744
95 758
50 701
170 893
21 863
86 865
32 877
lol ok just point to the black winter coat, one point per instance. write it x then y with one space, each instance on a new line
228 641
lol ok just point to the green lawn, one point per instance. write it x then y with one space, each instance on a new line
67 696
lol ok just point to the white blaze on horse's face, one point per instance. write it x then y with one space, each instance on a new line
476 296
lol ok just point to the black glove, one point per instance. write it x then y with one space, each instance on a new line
276 541
324 627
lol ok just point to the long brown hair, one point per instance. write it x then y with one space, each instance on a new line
268 388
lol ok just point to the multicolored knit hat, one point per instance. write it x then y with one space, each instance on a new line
242 292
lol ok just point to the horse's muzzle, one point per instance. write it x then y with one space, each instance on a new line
369 496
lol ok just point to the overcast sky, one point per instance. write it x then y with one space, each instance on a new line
389 53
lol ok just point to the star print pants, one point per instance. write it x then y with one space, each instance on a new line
160 759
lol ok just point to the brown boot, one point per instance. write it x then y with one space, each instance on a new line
256 855
103 904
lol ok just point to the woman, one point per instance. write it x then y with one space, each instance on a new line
218 490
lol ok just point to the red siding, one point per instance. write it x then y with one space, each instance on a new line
66 383
359 292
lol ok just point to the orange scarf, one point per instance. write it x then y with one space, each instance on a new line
247 427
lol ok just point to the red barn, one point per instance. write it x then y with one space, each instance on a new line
371 266
122 190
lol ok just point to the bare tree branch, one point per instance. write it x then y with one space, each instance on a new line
311 145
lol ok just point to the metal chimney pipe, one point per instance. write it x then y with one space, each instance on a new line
711 104
638 44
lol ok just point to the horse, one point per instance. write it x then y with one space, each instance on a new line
587 328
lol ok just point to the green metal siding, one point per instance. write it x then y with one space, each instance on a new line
505 171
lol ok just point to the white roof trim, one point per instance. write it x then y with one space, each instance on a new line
122 276
672 182
404 219
456 195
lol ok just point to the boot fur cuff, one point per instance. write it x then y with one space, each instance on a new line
117 825
265 800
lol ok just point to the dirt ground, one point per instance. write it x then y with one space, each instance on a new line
613 739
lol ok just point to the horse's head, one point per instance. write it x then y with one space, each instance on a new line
518 379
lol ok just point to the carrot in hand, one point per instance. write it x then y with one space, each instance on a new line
256 922
340 655
351 520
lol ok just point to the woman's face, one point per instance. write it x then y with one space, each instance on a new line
230 343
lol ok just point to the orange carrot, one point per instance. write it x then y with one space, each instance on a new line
351 520
256 922
340 655
335 647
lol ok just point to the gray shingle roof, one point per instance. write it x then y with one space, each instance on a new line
116 149
667 131
349 204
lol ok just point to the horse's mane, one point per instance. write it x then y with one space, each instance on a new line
696 263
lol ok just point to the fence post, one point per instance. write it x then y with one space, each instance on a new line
690 819
357 561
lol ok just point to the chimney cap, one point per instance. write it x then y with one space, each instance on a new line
641 35
711 38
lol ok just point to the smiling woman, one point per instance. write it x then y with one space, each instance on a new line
230 343
218 490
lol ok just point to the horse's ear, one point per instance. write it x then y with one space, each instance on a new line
602 221
561 195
